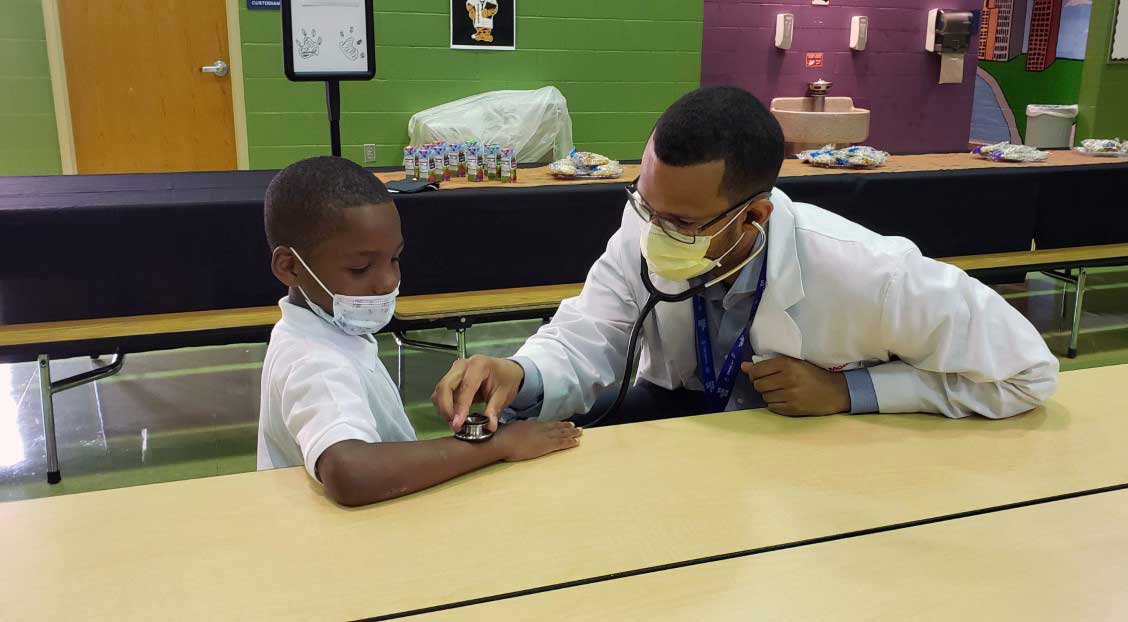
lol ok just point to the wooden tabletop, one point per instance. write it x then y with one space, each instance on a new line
436 306
269 546
529 177
129 326
421 307
1046 256
1064 560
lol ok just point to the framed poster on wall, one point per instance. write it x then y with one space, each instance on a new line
328 40
1119 50
483 24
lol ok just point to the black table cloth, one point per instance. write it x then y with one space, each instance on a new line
77 247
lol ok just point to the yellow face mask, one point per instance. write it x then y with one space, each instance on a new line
680 261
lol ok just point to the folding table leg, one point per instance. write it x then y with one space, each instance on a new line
46 398
48 389
1077 302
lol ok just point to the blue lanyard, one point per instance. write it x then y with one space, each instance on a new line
719 389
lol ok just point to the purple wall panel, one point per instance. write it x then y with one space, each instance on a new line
894 77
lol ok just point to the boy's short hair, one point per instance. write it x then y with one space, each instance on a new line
303 200
723 123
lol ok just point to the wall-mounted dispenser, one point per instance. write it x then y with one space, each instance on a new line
859 32
785 30
948 34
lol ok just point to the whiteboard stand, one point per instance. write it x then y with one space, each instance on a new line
333 103
329 41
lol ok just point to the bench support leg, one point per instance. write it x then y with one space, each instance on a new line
47 391
400 366
403 342
1078 298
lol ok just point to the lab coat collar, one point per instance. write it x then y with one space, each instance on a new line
785 277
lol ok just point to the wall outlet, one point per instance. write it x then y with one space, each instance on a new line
370 153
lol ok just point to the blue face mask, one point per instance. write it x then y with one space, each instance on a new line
354 315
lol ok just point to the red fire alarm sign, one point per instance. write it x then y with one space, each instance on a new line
814 59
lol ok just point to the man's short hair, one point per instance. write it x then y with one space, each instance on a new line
723 123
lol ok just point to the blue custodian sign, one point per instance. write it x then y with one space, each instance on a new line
265 5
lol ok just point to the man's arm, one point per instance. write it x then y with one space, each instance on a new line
963 349
581 352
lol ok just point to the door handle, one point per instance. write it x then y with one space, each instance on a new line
219 69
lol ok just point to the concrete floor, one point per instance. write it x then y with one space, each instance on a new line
189 413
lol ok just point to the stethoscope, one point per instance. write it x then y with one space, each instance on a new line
655 296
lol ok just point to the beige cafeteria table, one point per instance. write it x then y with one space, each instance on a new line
1063 560
268 546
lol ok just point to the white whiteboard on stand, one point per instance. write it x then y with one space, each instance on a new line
1119 51
328 39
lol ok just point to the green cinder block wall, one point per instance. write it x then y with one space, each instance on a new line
29 140
620 63
1104 86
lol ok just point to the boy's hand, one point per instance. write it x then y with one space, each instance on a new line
477 379
526 440
797 388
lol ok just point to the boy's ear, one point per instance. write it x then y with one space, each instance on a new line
284 266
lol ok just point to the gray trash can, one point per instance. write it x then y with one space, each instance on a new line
1050 126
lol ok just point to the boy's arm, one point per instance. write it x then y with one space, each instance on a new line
355 472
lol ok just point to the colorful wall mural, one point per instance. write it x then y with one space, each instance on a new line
1031 52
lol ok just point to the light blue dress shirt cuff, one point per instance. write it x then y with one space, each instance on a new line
863 397
529 399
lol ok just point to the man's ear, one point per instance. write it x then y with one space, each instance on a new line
760 211
284 266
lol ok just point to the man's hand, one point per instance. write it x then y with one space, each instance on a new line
797 388
477 379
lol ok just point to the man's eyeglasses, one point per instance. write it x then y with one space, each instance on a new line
680 232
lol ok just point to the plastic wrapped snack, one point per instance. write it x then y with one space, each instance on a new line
1006 152
587 159
850 157
563 168
567 169
1103 147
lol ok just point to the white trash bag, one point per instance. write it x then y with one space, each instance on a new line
535 124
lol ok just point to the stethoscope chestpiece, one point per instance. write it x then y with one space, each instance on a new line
474 430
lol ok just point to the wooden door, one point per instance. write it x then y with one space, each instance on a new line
139 100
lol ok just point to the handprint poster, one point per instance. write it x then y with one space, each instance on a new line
328 39
483 24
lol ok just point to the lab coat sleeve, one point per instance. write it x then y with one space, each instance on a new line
962 348
583 350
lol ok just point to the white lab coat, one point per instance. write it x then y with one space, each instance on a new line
838 295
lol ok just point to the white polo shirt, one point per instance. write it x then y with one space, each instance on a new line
321 386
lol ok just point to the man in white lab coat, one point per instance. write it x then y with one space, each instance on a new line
829 318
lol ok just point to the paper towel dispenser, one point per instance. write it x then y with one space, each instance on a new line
949 32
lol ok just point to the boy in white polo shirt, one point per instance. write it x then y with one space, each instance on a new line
327 401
